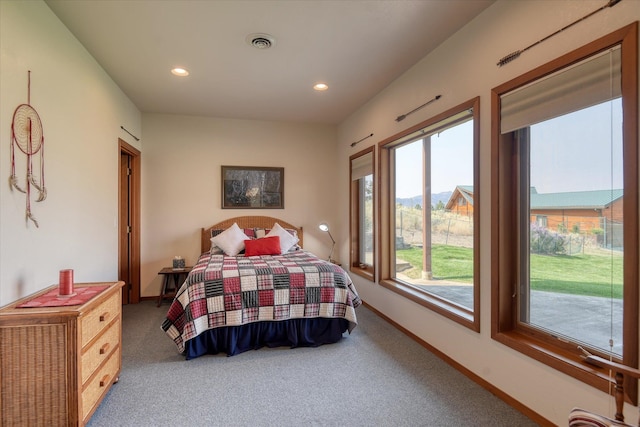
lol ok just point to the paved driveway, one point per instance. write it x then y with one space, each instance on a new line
593 320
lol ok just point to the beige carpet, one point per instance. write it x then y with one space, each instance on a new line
374 377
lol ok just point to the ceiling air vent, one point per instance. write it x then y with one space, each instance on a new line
261 41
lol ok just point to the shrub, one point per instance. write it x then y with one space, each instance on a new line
546 242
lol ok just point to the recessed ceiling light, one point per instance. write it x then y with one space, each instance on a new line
181 72
320 86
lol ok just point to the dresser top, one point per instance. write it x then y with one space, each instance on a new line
13 309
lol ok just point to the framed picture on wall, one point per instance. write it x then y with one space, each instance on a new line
249 187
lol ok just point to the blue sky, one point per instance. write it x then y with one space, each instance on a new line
569 153
451 159
574 152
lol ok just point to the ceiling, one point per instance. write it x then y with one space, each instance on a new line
356 47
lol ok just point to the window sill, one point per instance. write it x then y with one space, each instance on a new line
441 306
363 272
568 362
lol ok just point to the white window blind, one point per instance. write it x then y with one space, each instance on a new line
362 166
434 128
590 82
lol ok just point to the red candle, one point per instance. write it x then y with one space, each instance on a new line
66 282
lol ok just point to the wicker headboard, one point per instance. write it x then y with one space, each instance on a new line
244 222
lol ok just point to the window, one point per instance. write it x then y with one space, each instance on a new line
362 213
541 220
429 214
565 209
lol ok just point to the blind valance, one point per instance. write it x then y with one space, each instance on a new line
362 166
590 82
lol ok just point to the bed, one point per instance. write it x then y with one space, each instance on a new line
265 291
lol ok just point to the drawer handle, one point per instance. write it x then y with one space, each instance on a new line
104 380
104 348
104 316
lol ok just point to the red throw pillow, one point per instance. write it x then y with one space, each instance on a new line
262 246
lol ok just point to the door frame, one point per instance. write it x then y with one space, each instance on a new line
134 200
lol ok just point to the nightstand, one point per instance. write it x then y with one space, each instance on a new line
171 275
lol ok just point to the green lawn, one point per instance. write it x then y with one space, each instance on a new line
449 262
578 274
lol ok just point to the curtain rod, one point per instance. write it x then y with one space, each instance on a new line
403 116
514 55
134 137
353 144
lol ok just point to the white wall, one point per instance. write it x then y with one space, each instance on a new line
81 111
181 182
460 69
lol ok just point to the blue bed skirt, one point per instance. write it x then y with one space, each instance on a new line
293 333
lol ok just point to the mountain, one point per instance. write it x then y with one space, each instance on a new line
417 200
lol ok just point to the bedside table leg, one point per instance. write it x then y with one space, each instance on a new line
176 282
163 291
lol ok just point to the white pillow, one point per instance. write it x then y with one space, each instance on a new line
287 241
231 240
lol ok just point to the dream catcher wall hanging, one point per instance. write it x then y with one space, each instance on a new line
27 136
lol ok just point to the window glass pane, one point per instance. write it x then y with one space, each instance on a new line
366 219
434 215
362 218
575 254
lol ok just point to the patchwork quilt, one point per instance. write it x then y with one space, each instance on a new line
230 291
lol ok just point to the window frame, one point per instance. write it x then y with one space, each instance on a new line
505 328
356 265
386 233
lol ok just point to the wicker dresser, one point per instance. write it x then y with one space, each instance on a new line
57 363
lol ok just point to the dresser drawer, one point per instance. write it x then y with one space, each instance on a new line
100 350
100 383
98 318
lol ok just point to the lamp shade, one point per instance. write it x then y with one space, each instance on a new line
325 227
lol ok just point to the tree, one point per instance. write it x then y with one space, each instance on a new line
368 189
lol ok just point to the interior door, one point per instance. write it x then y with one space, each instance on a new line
124 263
129 223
